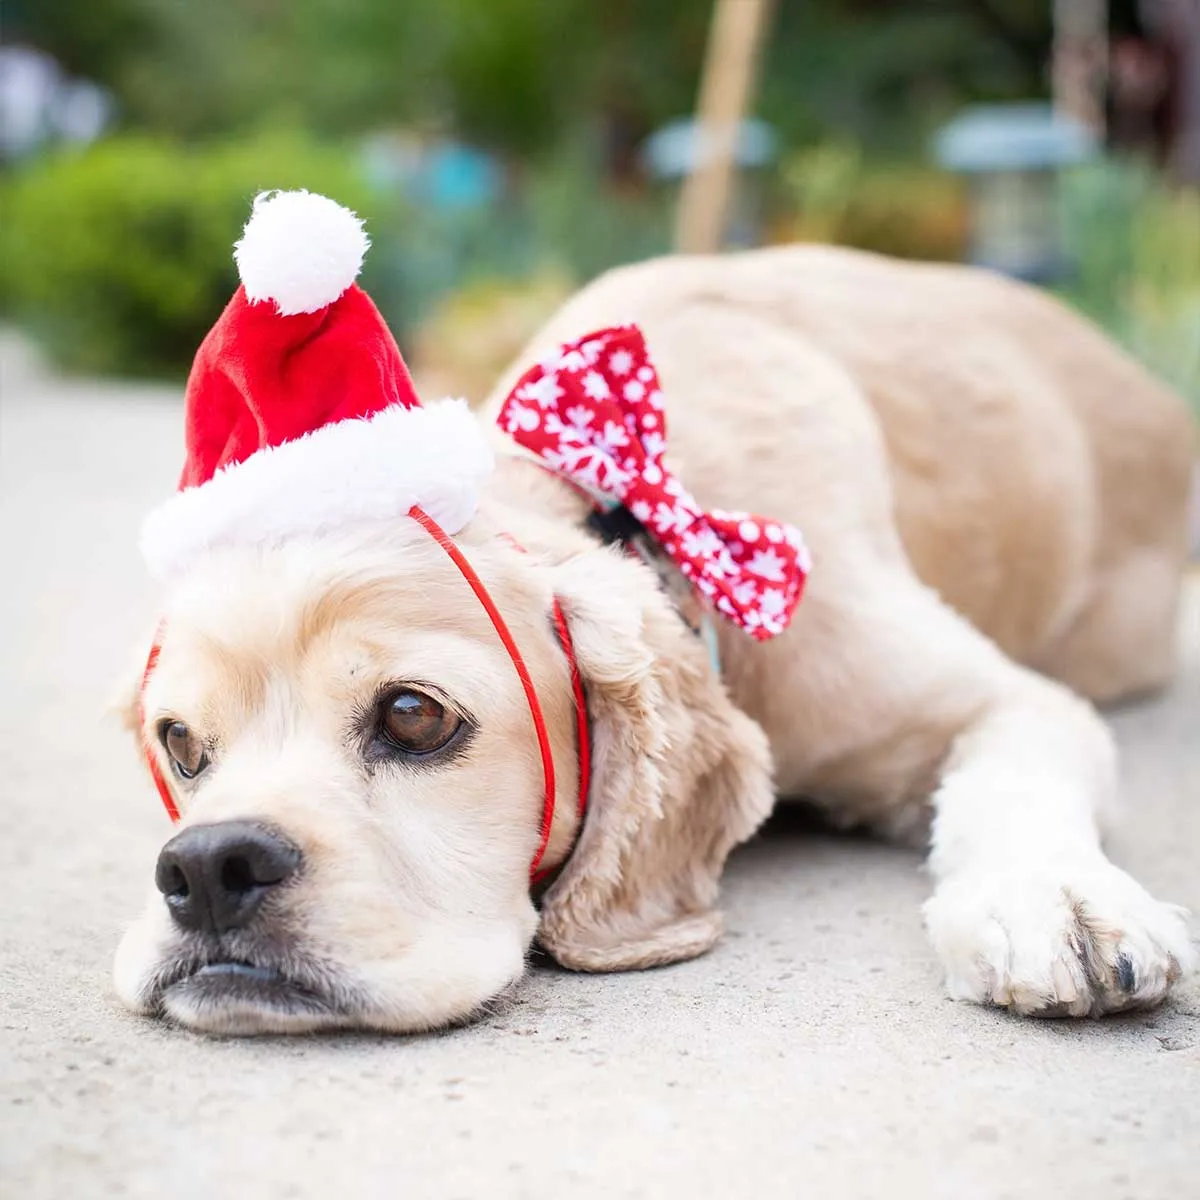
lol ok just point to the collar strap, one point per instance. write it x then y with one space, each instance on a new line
616 525
536 871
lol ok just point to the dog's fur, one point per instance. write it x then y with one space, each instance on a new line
995 499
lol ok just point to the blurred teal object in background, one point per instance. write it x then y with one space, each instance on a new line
458 176
1012 155
446 175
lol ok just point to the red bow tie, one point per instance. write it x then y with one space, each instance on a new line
593 412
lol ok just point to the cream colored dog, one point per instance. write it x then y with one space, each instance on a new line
995 501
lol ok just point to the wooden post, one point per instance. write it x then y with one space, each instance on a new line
734 37
1080 67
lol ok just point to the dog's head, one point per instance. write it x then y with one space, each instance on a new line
361 792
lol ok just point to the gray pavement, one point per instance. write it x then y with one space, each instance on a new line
812 1054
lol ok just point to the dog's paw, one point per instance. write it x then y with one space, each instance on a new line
1068 940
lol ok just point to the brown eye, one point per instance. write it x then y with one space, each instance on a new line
185 748
417 723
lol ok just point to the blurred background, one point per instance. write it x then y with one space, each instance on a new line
506 151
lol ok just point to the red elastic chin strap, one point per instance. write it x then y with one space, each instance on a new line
467 571
536 871
160 781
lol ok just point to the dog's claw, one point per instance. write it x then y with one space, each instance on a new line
1126 976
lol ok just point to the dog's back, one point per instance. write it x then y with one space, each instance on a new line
1036 476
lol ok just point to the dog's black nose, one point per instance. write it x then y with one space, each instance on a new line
215 877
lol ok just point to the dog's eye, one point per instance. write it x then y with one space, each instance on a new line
416 723
185 749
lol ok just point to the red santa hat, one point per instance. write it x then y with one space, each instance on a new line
301 415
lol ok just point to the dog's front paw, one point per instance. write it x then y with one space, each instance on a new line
1069 940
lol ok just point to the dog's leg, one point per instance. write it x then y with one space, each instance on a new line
1028 912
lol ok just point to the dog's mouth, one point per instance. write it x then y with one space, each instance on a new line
249 995
243 996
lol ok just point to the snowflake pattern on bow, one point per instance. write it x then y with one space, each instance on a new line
593 412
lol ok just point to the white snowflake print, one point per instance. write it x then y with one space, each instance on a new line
702 542
595 386
670 518
589 466
655 444
566 456
673 487
580 416
645 374
774 533
614 436
520 418
649 420
554 426
599 471
748 531
641 510
652 474
620 362
745 592
722 564
591 350
772 602
573 360
544 392
767 564
633 391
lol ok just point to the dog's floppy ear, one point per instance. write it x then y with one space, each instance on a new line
679 777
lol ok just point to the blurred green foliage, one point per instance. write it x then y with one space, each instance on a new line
833 193
1135 243
119 256
521 75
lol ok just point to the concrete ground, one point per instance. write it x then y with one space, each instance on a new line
812 1054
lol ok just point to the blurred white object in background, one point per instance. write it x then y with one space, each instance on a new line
1012 155
41 104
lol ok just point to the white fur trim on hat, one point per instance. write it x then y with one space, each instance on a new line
300 250
360 470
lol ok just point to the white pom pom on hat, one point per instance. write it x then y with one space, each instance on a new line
300 250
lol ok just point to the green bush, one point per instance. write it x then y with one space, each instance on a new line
1135 243
833 194
119 257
